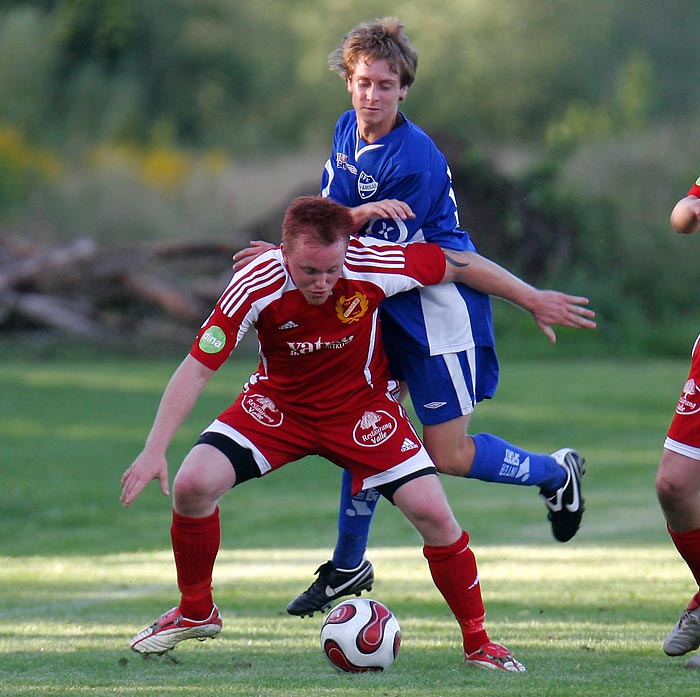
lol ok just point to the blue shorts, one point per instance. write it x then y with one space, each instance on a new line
447 386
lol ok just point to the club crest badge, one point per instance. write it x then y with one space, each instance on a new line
366 185
351 309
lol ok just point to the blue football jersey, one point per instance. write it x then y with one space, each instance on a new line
406 165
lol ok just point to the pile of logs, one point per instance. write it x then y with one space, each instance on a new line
150 292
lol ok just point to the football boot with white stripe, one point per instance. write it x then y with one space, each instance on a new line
330 585
565 505
495 657
685 635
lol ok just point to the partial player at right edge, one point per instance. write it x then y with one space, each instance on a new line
678 478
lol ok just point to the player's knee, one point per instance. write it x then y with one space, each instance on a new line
450 459
668 490
451 466
440 532
190 485
665 489
437 526
450 447
183 487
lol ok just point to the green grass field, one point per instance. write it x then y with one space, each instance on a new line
79 574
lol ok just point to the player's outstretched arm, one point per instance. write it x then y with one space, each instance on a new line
179 397
685 216
548 307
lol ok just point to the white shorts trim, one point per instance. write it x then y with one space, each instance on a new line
682 449
220 427
466 400
415 463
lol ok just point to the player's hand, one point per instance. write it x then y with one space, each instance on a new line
387 208
390 208
244 256
552 307
143 470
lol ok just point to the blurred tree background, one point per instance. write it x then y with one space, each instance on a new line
570 129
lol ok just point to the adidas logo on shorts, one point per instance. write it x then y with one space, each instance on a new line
408 444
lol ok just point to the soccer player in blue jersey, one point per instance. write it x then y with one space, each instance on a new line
439 339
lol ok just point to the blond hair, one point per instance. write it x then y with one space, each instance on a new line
382 39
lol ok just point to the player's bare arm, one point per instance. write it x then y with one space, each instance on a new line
179 397
548 307
685 216
244 256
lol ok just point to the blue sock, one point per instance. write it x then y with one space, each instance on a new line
496 460
354 519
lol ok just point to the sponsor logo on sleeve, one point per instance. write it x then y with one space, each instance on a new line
688 402
213 340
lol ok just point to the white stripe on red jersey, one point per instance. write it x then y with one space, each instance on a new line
291 332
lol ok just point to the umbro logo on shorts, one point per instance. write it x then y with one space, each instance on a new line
434 405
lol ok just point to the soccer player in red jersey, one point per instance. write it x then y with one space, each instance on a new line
678 478
322 387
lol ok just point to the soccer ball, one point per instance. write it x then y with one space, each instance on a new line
361 635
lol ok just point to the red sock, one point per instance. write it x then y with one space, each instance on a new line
195 545
688 546
453 568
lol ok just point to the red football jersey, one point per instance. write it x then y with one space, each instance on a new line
317 358
695 189
684 432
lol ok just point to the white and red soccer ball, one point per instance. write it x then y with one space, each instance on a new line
360 635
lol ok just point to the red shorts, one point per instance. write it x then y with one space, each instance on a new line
378 444
684 432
